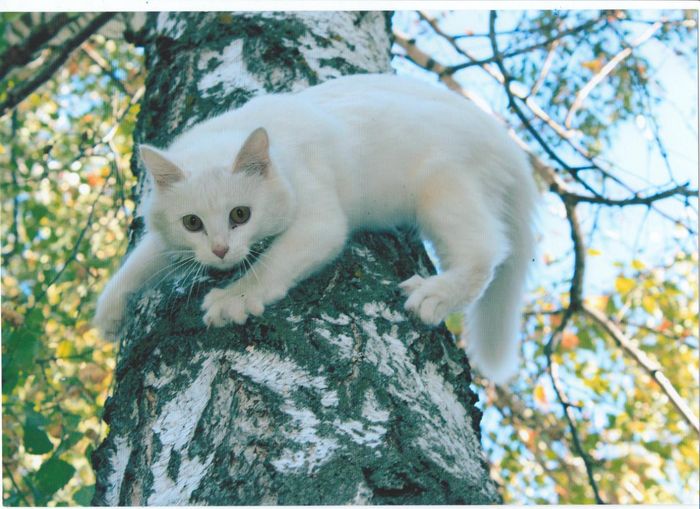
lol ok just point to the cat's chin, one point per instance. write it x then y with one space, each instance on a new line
223 266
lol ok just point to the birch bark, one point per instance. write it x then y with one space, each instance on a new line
335 395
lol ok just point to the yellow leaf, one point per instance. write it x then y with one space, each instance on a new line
453 322
540 395
598 301
593 65
64 349
624 284
638 265
594 252
649 304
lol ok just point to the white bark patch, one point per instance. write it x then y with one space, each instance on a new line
450 442
446 437
376 309
280 375
363 495
120 460
147 305
341 319
361 47
295 319
175 427
315 449
362 252
167 375
371 410
343 342
172 26
370 436
229 73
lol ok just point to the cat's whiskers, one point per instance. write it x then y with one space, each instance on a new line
186 269
260 257
178 265
198 268
250 268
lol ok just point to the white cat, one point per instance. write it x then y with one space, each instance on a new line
359 152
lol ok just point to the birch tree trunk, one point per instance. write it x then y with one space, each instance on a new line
335 395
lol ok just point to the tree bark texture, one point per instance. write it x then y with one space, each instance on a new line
335 395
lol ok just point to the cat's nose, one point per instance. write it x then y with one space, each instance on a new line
220 251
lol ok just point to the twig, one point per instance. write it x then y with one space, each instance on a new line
527 49
14 483
607 69
575 292
105 66
544 71
76 246
652 368
681 190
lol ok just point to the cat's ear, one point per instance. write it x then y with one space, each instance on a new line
163 171
254 156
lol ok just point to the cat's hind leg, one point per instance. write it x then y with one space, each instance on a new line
456 215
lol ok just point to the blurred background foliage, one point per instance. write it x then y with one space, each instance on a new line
65 153
66 202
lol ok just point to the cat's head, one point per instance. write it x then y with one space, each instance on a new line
216 212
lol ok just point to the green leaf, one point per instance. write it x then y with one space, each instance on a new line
53 475
84 495
69 440
36 441
10 375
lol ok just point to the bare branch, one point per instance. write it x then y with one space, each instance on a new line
652 368
544 71
21 91
21 54
575 292
527 49
607 69
681 190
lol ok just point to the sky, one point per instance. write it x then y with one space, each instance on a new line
632 149
623 234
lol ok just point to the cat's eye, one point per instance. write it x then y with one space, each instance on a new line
239 215
192 223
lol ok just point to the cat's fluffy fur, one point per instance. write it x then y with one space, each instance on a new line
360 152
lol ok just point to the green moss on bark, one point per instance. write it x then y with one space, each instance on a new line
345 415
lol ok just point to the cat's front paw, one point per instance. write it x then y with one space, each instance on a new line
428 298
238 301
109 314
221 306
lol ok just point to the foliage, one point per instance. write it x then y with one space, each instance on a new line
66 206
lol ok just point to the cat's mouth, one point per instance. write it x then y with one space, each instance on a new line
257 250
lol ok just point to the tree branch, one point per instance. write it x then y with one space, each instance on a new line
607 69
583 26
21 91
681 190
651 367
21 54
575 292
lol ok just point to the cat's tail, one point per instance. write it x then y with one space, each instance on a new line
493 323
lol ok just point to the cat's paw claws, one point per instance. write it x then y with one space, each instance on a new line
426 299
222 306
411 284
